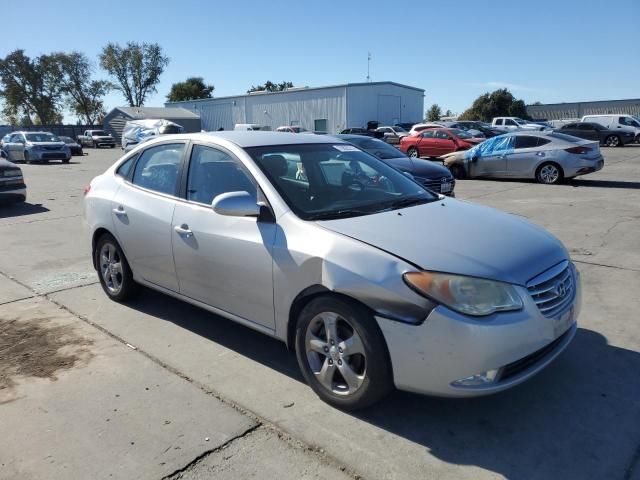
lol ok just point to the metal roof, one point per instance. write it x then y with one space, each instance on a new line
300 89
140 113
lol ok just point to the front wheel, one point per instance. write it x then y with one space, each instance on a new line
549 173
95 144
115 274
342 353
612 141
26 157
458 171
413 152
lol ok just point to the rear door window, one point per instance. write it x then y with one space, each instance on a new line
510 122
523 141
158 168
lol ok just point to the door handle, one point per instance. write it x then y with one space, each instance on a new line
120 210
183 230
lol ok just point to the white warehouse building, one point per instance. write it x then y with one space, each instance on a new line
321 109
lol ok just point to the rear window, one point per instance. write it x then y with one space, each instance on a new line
566 138
526 142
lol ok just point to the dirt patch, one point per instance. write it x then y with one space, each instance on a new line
37 348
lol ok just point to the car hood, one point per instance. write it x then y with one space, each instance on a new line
458 237
418 167
6 164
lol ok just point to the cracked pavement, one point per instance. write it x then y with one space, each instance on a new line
157 360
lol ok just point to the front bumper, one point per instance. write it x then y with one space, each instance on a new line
447 347
39 155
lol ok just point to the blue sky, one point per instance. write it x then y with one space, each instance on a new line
550 51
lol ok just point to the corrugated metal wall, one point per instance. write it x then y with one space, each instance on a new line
559 111
301 107
341 106
386 103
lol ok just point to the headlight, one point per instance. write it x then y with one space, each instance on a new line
468 295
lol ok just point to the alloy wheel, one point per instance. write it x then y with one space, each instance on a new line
413 153
612 141
549 174
335 353
111 268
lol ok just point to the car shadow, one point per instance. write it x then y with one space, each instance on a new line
604 184
20 209
570 421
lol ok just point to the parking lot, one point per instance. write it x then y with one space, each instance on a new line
157 387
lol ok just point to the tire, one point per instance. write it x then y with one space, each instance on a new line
26 157
114 272
368 367
413 152
95 144
638 138
549 173
458 171
112 146
612 141
66 160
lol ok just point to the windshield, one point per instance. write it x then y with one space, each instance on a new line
99 133
324 181
460 133
41 137
67 139
398 129
376 147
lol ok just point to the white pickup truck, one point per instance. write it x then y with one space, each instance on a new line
510 124
96 139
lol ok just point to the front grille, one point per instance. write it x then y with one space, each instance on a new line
436 184
53 155
519 366
553 290
49 147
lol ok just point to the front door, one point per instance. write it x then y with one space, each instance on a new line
220 260
15 148
142 212
489 159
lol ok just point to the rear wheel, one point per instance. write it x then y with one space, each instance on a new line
549 173
342 353
612 141
413 152
115 274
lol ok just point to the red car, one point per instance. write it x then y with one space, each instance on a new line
437 141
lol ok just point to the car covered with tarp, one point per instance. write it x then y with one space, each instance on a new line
136 132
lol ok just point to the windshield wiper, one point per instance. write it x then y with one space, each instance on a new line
410 201
338 214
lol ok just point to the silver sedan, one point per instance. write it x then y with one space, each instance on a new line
373 280
543 156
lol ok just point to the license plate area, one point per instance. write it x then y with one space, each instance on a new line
562 322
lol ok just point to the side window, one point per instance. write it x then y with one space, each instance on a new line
427 134
583 126
212 172
500 121
543 141
158 168
570 126
442 135
494 145
124 169
523 141
510 122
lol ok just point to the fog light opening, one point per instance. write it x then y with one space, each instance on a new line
478 380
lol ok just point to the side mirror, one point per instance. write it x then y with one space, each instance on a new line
236 204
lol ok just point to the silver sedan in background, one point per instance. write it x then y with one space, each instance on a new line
373 280
545 157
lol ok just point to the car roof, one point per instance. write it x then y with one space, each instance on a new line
245 139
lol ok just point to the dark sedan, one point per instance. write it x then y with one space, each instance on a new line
433 176
595 131
362 131
465 125
75 147
12 187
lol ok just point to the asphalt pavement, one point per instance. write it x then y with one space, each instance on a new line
95 400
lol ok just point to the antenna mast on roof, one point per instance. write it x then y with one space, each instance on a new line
368 64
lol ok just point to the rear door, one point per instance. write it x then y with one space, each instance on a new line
526 155
587 131
143 211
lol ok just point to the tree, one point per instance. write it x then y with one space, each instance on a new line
434 113
499 103
84 96
192 88
32 86
448 113
269 86
136 68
